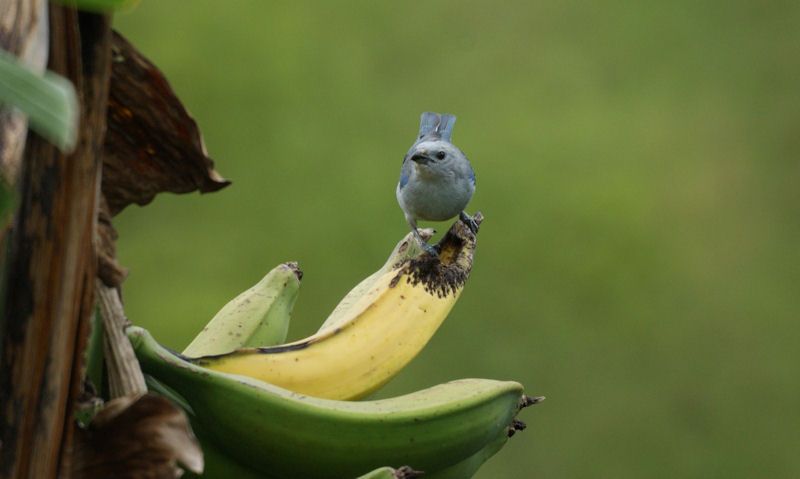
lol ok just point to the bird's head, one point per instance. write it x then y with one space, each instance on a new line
434 155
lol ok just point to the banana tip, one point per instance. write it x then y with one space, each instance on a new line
406 472
526 400
295 267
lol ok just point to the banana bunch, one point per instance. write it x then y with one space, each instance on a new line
265 409
377 329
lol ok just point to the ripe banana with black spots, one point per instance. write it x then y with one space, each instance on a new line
282 434
258 316
381 332
407 248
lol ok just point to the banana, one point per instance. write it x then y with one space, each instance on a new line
407 248
218 465
462 470
387 472
282 434
468 467
257 317
381 332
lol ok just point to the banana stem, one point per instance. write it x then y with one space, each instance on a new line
124 374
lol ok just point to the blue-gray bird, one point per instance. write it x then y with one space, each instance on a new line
436 180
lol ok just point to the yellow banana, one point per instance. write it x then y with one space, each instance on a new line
258 316
381 332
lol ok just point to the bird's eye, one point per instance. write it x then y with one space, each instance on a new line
440 155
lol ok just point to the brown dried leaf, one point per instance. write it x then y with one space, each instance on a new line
152 144
137 437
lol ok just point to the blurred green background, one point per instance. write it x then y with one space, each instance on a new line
638 165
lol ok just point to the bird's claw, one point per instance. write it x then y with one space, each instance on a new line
469 221
432 250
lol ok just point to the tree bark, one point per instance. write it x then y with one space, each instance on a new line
52 265
125 378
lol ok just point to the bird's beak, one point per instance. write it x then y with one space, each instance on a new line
421 157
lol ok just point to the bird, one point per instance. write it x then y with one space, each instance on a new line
436 179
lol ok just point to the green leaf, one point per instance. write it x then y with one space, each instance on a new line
49 100
100 5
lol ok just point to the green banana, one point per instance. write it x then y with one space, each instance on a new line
282 434
222 466
404 472
217 463
469 466
406 248
257 317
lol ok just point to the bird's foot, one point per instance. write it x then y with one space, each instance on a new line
469 221
432 250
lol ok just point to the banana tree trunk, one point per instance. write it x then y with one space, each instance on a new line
50 270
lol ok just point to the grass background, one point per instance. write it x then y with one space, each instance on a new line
638 169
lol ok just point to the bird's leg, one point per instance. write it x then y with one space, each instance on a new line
431 250
467 219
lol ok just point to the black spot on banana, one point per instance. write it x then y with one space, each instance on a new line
446 273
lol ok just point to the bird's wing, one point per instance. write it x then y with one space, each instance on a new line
405 172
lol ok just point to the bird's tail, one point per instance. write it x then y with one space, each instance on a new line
436 125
